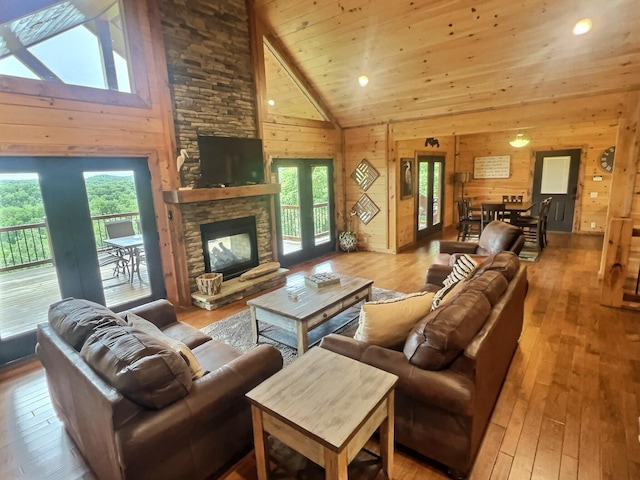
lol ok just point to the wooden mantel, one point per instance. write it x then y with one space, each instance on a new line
223 193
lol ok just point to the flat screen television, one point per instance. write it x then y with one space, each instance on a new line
230 161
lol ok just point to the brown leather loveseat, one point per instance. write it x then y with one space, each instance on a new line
131 406
452 365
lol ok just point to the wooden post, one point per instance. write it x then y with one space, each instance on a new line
617 238
617 260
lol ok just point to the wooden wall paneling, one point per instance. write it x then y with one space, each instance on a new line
369 143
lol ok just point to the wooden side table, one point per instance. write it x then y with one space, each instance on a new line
326 407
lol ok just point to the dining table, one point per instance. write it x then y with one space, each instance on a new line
129 248
513 209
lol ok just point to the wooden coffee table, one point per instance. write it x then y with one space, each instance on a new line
326 407
299 308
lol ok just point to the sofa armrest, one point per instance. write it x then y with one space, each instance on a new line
228 385
159 312
444 389
437 273
449 246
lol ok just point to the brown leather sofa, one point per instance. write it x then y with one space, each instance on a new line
496 237
452 365
150 434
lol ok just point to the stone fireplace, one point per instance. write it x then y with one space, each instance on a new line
230 247
194 215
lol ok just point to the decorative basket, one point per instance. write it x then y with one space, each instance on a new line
209 283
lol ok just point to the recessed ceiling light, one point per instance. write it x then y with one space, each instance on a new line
271 102
363 80
582 27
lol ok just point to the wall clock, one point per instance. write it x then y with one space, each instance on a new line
607 158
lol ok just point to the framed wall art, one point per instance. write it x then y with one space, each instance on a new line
407 178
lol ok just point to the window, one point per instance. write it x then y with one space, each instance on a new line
71 42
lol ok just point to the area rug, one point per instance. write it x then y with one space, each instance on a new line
529 253
236 330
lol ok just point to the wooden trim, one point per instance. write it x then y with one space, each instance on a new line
299 122
207 194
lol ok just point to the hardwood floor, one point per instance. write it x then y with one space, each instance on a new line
569 407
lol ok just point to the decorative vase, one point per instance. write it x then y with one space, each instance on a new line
348 241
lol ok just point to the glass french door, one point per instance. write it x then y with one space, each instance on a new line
52 216
430 195
304 209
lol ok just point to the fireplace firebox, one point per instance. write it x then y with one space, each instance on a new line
230 247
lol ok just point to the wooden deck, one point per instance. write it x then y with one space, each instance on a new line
25 295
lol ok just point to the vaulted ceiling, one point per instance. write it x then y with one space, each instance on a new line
441 57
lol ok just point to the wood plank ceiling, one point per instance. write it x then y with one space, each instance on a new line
441 57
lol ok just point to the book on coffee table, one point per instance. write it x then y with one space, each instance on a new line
318 280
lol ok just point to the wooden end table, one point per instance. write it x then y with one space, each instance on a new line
308 309
326 407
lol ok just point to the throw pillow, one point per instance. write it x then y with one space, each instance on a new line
75 319
388 322
464 266
140 367
185 352
462 269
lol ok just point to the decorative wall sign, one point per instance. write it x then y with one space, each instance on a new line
491 167
365 209
364 174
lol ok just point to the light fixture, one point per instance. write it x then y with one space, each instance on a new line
271 102
363 80
520 141
582 26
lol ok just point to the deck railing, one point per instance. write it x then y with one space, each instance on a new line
290 219
23 246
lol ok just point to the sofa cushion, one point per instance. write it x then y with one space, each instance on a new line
496 237
491 283
76 319
387 323
506 263
185 352
142 368
437 339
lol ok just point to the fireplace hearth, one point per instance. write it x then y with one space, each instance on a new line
230 246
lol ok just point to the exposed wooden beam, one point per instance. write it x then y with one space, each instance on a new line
26 57
108 62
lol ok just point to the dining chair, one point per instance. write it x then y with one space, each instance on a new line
535 226
467 224
117 229
490 212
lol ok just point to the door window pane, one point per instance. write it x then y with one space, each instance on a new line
320 187
28 279
115 217
437 194
423 195
290 209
